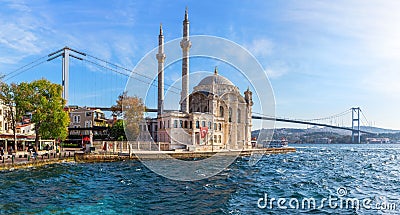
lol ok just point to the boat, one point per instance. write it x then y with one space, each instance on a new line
276 143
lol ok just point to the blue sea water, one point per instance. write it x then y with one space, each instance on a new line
355 172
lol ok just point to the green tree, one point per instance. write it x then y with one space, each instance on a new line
117 131
13 113
43 99
131 109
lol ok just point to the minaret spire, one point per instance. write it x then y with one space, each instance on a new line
186 14
185 45
160 58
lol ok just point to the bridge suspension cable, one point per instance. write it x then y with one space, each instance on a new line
56 54
127 75
128 70
341 114
273 118
329 117
25 68
366 120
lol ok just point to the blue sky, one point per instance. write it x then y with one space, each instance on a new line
321 57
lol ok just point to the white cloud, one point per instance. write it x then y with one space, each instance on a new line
361 36
275 73
19 39
18 5
261 47
23 34
263 50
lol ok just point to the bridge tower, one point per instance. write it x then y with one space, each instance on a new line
65 53
355 124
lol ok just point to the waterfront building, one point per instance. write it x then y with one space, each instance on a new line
215 116
25 133
4 128
86 123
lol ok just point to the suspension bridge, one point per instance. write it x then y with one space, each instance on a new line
335 121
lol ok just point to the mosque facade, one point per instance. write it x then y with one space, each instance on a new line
214 116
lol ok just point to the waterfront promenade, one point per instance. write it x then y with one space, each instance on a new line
25 160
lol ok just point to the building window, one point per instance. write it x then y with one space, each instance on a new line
220 126
180 124
88 113
197 124
238 115
160 124
175 123
221 111
203 123
1 111
88 124
209 125
168 123
185 124
190 125
230 115
77 119
215 126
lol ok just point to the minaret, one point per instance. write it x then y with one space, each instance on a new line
160 58
248 96
185 45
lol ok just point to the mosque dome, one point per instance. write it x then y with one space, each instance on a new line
215 79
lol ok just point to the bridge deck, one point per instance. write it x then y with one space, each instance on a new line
307 123
268 118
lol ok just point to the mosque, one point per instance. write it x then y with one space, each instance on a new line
214 117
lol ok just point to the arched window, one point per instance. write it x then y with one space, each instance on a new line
205 109
221 111
238 115
230 114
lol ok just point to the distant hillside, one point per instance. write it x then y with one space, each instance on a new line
323 134
378 130
326 129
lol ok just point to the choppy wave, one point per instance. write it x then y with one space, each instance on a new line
128 187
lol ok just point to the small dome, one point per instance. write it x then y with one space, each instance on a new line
215 79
